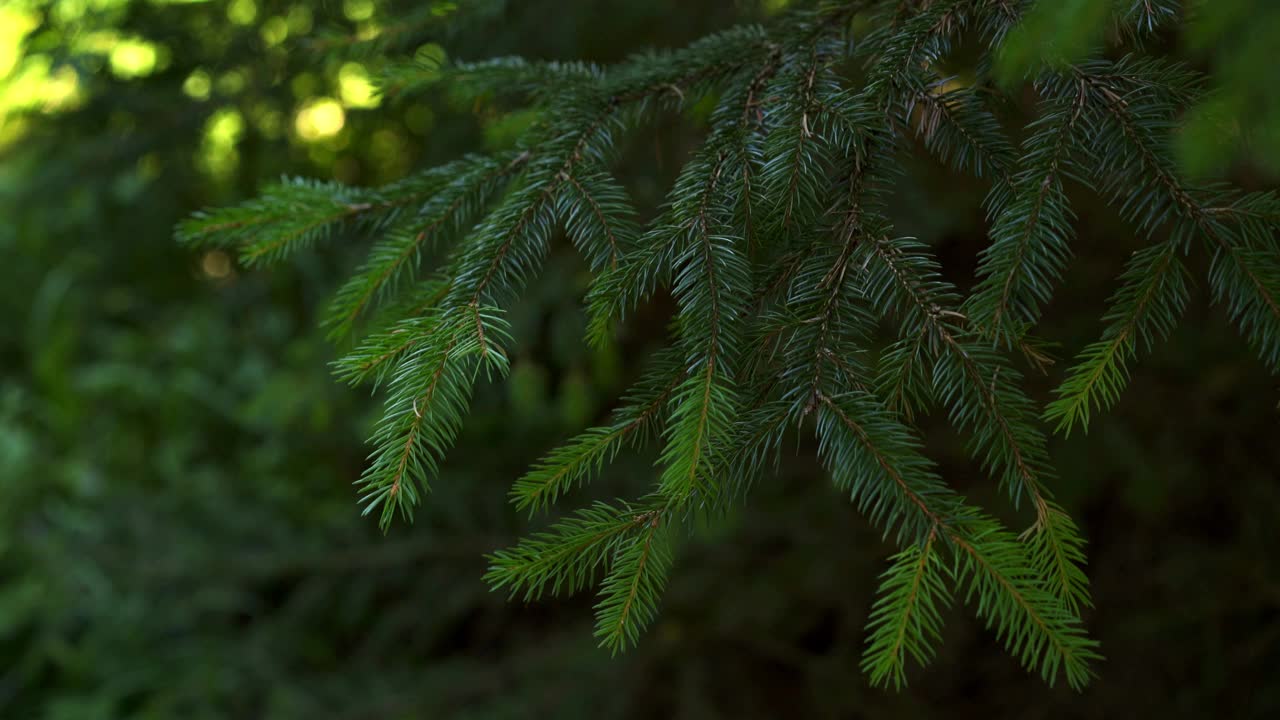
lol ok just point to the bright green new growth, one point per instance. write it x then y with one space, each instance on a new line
775 244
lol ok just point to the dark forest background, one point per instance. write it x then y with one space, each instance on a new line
179 534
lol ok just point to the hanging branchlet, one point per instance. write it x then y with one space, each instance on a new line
800 310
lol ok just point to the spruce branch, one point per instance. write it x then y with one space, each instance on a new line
1146 17
572 463
1035 624
799 308
458 192
956 125
1032 228
376 355
566 557
1152 295
906 619
876 459
980 387
429 393
289 216
1246 278
631 591
1036 627
1057 554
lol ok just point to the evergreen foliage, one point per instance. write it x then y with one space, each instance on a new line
798 308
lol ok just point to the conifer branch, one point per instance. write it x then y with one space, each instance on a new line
956 126
1057 553
1035 626
1032 229
777 246
629 596
566 557
1254 298
1152 295
980 387
1031 620
375 357
467 186
572 463
594 205
906 619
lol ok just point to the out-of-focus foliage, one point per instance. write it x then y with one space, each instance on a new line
178 535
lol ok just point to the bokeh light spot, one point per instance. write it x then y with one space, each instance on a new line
197 85
231 83
355 88
242 12
319 119
218 153
274 31
133 58
216 264
226 126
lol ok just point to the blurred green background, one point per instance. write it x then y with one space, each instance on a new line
179 536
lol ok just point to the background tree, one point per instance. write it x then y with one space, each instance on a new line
159 510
